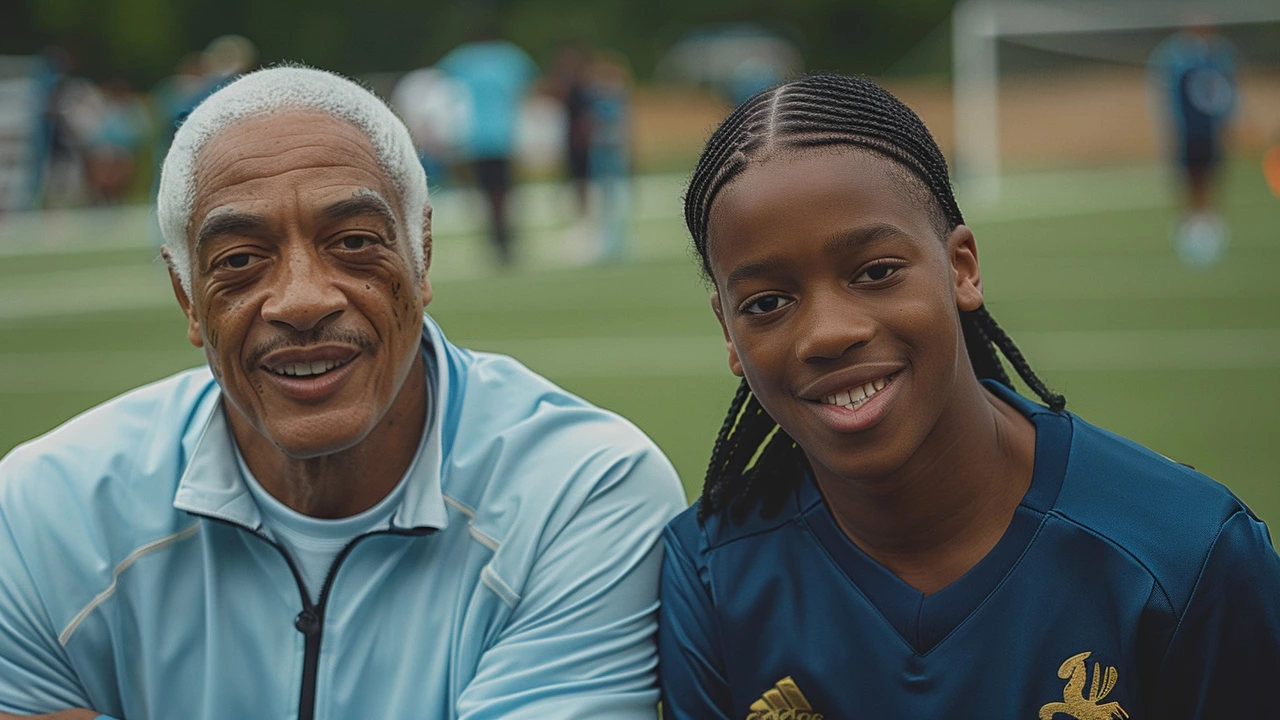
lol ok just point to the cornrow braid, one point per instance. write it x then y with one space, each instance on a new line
813 112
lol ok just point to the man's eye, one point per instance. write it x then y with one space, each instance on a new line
356 242
877 272
766 304
239 261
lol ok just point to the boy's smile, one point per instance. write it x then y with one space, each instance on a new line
840 303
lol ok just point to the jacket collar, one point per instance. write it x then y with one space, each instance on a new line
212 485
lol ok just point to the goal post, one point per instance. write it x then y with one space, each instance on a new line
979 27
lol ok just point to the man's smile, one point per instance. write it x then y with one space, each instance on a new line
311 374
314 367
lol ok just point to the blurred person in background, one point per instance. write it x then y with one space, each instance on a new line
49 136
344 515
753 75
609 151
69 111
1193 80
198 75
117 142
171 99
437 110
570 82
497 75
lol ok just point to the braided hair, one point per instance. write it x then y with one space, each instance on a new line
813 112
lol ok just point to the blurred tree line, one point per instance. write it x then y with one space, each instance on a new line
143 40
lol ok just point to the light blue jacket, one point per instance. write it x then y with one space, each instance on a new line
518 578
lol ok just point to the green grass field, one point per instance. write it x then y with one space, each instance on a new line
1078 266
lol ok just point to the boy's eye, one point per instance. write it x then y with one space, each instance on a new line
766 304
356 242
877 272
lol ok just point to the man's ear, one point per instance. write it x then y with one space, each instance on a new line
427 292
963 250
735 365
188 309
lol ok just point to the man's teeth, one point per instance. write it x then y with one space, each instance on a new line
300 369
852 398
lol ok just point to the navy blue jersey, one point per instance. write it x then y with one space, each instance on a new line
1197 76
1125 586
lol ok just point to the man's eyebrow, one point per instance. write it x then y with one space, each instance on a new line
361 205
228 222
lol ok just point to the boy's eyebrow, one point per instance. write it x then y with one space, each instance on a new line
845 241
751 270
838 244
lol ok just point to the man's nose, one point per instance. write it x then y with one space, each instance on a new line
302 294
832 324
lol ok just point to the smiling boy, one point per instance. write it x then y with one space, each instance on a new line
888 529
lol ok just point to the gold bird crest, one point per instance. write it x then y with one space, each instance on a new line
1075 702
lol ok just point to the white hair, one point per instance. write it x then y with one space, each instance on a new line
287 88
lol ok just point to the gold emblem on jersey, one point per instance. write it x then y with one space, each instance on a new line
1075 703
783 701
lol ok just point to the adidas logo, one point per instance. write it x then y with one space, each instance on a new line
783 701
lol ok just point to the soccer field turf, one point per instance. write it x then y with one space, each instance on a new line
1078 266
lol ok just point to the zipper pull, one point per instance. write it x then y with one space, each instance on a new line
307 622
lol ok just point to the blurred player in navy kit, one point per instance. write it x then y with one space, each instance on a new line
887 529
1193 76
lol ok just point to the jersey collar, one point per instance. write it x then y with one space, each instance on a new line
925 621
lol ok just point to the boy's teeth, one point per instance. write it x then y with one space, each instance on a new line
852 398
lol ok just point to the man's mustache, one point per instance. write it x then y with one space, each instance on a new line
306 338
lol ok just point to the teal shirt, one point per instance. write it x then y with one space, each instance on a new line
497 75
517 577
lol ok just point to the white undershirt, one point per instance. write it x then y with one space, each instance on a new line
314 543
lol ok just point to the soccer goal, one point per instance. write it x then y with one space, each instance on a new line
990 38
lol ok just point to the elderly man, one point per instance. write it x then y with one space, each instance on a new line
343 515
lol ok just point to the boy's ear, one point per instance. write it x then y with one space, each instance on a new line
963 251
193 323
735 365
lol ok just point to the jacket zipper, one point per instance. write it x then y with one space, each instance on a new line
310 622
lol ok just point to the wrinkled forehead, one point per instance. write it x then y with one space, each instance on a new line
304 150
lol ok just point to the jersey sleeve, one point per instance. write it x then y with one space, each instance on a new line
693 679
35 673
581 640
1224 656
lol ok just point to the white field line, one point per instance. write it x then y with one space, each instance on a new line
700 356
